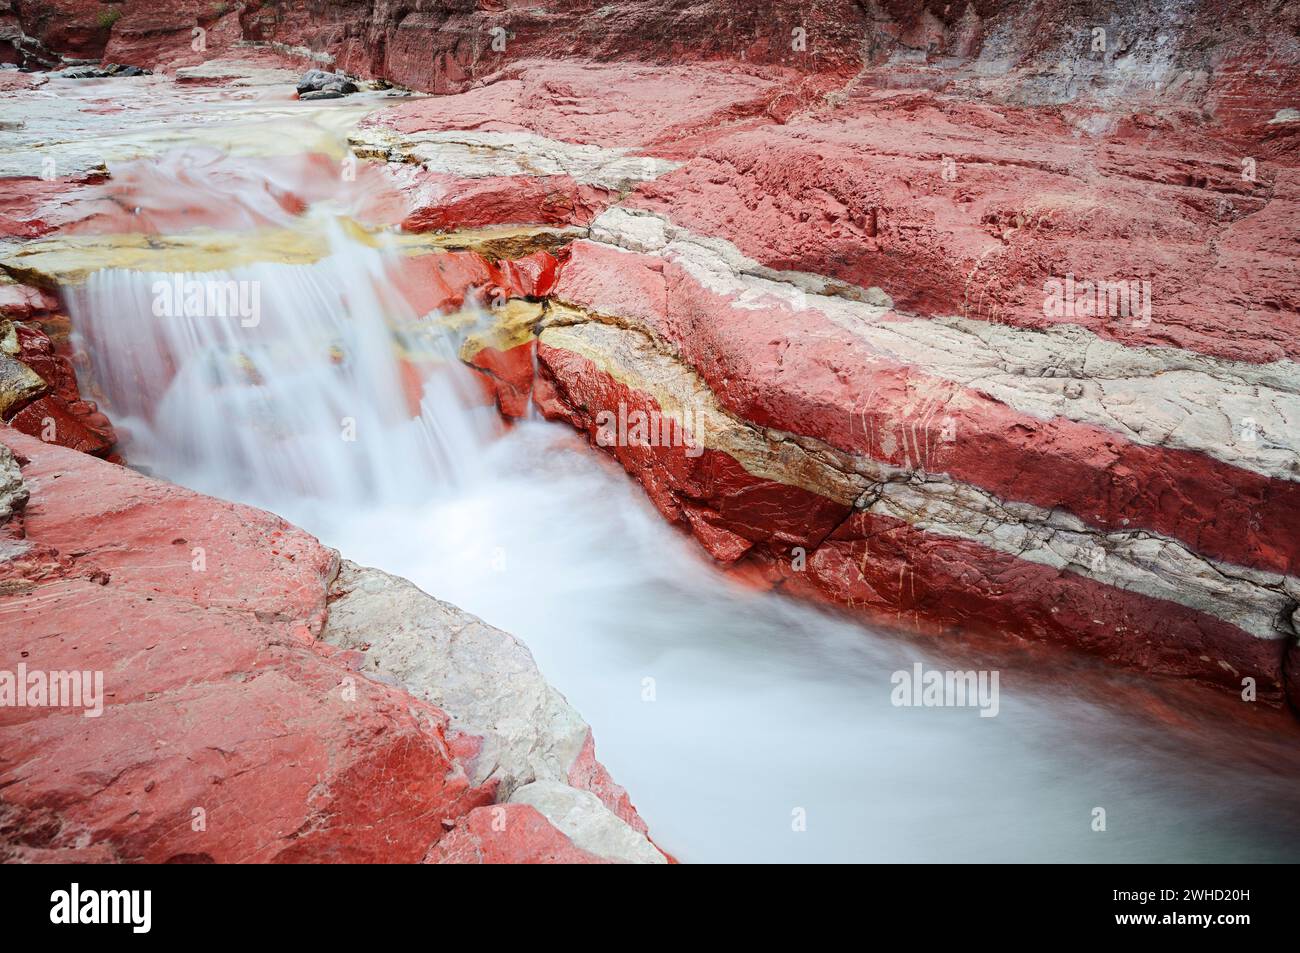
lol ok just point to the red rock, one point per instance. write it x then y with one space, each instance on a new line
828 161
227 732
20 302
778 367
152 35
862 200
37 352
509 376
447 203
32 207
728 508
440 282
444 282
76 425
899 574
588 774
532 276
899 43
213 704
799 372
639 106
77 28
507 834
59 416
11 80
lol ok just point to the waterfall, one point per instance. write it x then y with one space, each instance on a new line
304 383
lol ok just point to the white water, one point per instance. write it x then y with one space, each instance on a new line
761 707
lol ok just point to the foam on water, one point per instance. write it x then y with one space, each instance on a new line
761 707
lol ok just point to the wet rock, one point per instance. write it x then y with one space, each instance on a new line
235 72
68 259
529 733
318 84
21 301
508 834
781 292
839 253
588 823
75 424
101 72
13 492
55 412
19 385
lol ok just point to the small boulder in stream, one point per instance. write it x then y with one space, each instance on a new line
91 71
318 84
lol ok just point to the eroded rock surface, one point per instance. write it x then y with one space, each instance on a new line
39 393
232 726
530 734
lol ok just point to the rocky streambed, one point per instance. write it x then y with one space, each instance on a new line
1003 386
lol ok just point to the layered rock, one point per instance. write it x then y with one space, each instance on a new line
260 701
1047 52
39 393
851 298
912 400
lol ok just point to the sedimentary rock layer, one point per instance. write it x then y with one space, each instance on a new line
845 527
39 393
1043 53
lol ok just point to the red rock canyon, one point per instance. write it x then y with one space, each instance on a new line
729 364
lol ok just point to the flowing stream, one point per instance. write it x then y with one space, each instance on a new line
746 727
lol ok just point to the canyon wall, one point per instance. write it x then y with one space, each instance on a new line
1235 56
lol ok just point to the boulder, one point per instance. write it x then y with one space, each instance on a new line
39 394
318 84
101 72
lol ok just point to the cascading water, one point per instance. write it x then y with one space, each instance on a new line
746 727
296 390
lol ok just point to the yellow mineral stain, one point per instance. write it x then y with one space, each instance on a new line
19 384
70 259
508 326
